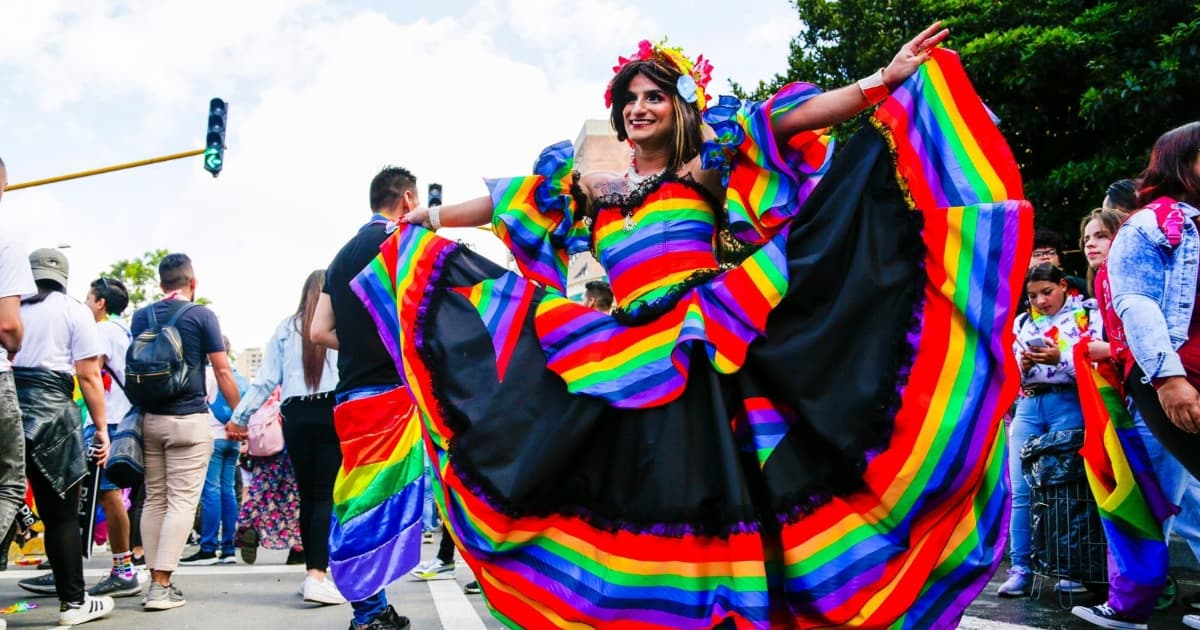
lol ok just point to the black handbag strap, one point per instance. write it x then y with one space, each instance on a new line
114 376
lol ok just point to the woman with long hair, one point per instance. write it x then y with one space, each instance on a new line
1151 277
791 417
307 374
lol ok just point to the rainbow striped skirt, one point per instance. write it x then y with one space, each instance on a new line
848 471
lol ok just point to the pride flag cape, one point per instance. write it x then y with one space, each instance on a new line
375 536
1128 496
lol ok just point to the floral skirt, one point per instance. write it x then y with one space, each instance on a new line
272 505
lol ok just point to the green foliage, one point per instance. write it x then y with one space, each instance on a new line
1082 88
140 276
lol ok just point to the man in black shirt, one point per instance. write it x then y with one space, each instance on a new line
369 393
176 437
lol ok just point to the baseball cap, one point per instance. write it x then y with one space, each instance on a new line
49 264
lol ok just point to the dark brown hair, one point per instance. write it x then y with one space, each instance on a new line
1170 172
312 354
688 138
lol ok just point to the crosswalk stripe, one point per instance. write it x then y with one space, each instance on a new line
453 608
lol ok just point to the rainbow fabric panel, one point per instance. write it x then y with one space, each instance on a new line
535 217
767 184
502 304
765 424
375 533
642 366
914 547
1128 496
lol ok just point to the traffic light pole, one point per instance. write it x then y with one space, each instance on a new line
106 169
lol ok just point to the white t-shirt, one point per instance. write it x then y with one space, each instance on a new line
115 340
59 331
16 278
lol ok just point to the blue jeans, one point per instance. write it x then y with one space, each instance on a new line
429 514
1036 415
218 502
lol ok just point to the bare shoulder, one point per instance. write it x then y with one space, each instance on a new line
709 178
600 183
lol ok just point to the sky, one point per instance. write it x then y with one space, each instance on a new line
322 94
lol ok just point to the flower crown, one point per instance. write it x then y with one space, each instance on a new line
694 75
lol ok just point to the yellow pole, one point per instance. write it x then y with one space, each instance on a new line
106 169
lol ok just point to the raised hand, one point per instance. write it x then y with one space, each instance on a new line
913 54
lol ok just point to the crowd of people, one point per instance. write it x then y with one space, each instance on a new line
1136 315
755 413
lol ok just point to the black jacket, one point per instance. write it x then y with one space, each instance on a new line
53 426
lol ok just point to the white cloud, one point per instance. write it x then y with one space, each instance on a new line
321 97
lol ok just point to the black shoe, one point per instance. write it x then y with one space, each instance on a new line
472 588
1191 602
248 541
139 561
200 559
42 584
44 565
295 556
386 620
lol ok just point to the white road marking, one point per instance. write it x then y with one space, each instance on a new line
453 608
219 569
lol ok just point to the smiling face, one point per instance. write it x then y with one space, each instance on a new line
648 113
1096 242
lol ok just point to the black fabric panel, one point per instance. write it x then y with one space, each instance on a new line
836 346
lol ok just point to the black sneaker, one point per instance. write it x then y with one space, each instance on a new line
248 541
116 586
139 561
42 584
200 559
1105 617
472 588
1192 602
295 556
386 620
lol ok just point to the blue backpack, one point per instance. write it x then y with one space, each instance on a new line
220 408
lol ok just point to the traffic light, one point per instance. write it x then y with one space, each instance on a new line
214 151
435 195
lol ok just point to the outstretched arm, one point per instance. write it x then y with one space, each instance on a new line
472 213
838 106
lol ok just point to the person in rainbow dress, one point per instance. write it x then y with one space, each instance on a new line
792 418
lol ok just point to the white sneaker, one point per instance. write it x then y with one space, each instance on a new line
321 591
92 608
433 570
1191 621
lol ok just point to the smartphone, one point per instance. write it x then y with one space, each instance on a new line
1037 342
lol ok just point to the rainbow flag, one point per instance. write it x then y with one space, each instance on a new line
1128 496
378 495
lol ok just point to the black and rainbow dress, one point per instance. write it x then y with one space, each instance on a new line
807 437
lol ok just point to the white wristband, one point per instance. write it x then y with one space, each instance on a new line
873 88
435 217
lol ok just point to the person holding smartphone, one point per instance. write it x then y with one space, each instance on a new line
1046 335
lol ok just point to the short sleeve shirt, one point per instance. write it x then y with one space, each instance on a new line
59 331
363 361
115 340
200 333
16 279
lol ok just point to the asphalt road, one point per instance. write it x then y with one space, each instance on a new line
265 596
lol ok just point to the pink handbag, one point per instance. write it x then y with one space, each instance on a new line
265 429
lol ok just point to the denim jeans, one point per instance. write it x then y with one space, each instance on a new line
218 502
12 453
1187 523
369 608
1036 415
429 514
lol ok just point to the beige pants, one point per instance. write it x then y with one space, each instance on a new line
177 450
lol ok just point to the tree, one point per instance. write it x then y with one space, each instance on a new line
1082 88
140 276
